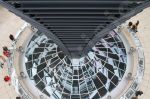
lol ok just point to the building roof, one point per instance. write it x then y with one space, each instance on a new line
73 24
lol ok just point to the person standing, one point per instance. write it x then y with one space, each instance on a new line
11 37
134 28
7 79
130 24
6 52
137 23
18 97
138 93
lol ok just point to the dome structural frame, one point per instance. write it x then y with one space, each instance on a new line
78 50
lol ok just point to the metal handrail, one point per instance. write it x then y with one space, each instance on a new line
140 67
11 68
127 95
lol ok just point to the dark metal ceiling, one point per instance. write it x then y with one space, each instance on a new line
72 23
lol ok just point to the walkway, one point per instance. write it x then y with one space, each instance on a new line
9 24
144 36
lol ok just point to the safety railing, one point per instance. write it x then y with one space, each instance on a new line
12 68
140 67
26 94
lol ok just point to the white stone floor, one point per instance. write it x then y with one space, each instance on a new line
144 36
9 24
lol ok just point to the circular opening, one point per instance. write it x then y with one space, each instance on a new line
91 76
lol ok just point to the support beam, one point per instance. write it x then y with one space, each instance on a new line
71 8
72 13
74 19
94 26
37 25
74 1
114 25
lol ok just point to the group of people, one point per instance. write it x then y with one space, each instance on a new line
133 26
6 53
137 93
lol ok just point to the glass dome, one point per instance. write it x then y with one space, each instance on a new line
89 77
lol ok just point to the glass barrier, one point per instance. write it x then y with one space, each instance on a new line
13 68
140 67
14 72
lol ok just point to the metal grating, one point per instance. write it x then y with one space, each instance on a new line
74 22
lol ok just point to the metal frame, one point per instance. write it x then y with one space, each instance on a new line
114 25
43 27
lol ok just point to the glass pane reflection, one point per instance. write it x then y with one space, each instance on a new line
89 77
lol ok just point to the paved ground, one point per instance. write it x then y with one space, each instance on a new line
9 24
144 36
